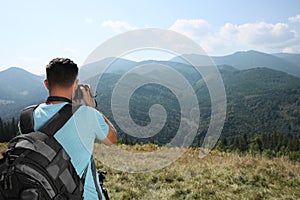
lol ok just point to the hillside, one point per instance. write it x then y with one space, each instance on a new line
259 100
19 88
262 100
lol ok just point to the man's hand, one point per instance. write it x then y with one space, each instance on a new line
88 96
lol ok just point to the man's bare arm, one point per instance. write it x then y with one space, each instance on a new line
111 137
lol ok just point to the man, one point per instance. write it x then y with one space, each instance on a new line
87 124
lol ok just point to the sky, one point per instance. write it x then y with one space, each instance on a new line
35 31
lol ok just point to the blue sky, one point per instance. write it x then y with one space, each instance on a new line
35 31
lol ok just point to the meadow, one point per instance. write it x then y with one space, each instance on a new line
219 175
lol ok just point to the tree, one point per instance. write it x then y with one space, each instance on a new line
1 126
8 129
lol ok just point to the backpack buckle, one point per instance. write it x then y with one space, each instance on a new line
59 197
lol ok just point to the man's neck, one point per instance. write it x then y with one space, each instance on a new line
65 94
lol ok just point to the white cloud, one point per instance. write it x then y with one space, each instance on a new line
260 36
118 26
295 18
194 28
295 49
288 50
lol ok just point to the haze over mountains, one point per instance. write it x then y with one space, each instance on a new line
18 89
253 59
263 91
289 63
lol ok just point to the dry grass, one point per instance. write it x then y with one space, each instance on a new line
217 176
3 147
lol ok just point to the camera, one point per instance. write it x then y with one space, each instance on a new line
78 93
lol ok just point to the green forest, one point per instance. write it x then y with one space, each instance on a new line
265 144
263 111
8 129
270 145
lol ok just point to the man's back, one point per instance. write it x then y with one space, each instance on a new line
77 137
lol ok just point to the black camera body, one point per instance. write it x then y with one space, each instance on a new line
78 93
78 96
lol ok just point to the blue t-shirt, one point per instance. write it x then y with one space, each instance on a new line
77 137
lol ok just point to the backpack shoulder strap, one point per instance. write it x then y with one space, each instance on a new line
59 119
26 123
94 173
101 176
52 126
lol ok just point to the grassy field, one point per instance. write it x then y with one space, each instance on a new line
217 176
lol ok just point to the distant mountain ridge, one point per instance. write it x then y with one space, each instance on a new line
286 62
259 99
292 58
19 88
17 81
253 59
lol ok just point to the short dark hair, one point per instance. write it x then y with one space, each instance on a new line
61 72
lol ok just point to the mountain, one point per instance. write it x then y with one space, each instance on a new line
292 58
259 99
253 59
107 65
262 100
19 88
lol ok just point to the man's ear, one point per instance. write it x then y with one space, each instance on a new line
46 84
75 84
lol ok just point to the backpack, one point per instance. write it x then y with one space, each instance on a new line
36 166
